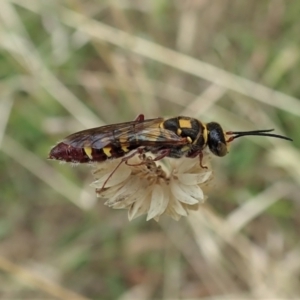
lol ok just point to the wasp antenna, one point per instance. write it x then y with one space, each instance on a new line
264 132
251 132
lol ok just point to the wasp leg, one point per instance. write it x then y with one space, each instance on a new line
161 154
140 118
111 174
200 154
201 160
124 159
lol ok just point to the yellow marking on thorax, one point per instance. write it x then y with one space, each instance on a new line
185 148
205 134
106 151
183 123
161 125
88 152
189 139
179 131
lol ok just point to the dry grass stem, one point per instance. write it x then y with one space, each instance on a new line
38 282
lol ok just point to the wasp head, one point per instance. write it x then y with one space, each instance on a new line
216 140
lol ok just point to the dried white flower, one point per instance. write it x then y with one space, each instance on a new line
168 186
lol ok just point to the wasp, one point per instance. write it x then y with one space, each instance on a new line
173 137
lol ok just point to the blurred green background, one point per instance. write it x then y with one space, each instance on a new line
71 65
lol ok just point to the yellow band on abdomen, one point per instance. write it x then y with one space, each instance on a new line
88 152
106 151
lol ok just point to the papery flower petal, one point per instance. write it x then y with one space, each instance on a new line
149 187
129 188
186 164
139 208
117 177
127 201
193 179
110 192
103 169
191 207
159 201
193 190
181 194
175 209
173 214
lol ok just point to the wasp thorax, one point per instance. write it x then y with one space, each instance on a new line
216 139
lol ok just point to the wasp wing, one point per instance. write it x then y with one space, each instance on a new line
157 137
103 136
139 133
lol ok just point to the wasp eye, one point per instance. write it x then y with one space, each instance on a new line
221 149
218 148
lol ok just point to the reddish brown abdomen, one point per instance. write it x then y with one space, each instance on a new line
67 153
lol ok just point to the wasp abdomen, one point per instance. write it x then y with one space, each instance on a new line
65 152
68 153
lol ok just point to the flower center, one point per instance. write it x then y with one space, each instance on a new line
150 170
